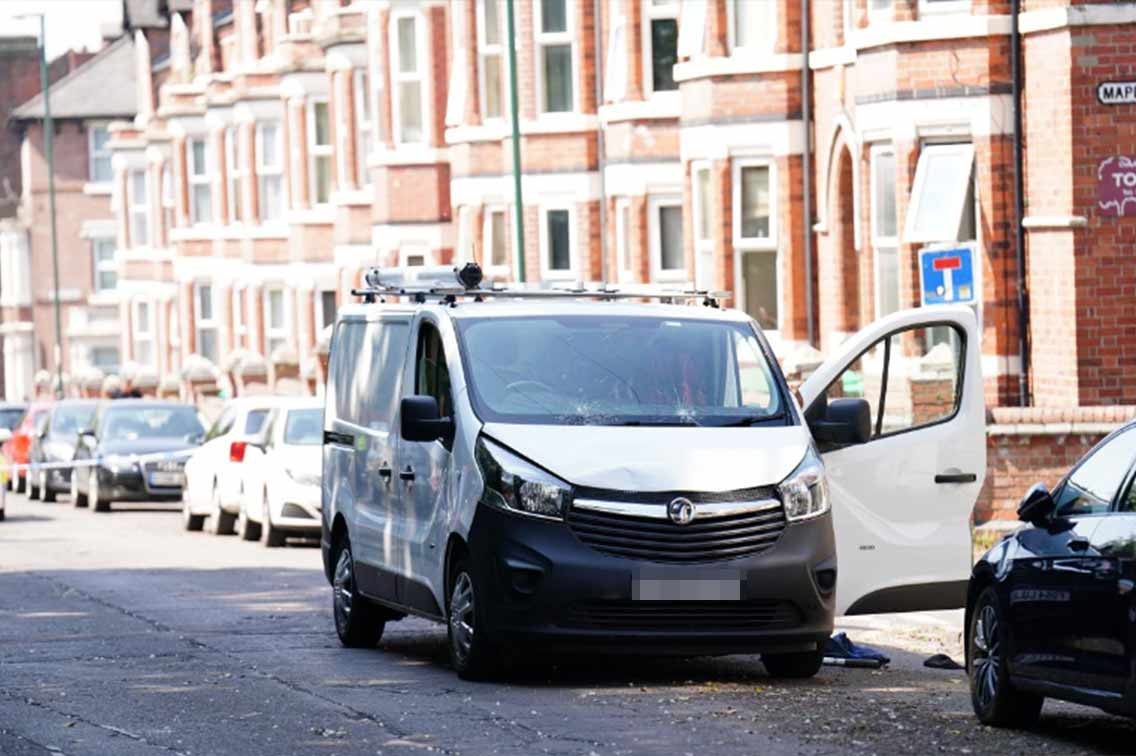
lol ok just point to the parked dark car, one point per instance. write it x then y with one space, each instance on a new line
53 440
1051 609
124 431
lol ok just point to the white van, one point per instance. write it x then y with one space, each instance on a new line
582 471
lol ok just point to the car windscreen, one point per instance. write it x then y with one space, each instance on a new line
603 370
304 427
68 421
10 418
133 423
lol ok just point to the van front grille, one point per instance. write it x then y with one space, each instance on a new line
655 539
693 616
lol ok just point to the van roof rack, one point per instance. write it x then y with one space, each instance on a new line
446 284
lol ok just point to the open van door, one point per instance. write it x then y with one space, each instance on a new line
902 501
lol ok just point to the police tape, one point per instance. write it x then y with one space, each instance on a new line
116 460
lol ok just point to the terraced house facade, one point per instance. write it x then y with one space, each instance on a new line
284 145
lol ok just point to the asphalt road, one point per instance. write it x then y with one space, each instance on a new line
120 634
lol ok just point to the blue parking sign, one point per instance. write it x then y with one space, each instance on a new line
947 276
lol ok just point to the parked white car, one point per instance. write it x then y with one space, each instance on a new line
281 474
213 474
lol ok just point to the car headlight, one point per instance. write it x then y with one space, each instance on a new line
117 464
805 492
516 485
303 478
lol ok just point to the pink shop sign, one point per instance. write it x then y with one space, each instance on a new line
1116 186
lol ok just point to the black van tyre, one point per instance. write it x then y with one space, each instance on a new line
798 665
33 489
246 528
472 652
359 622
220 521
47 493
995 700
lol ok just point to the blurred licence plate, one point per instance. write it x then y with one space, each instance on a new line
166 478
686 585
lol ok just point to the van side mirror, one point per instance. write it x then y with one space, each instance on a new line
1037 506
421 420
841 422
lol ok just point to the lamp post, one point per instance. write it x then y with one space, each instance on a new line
48 135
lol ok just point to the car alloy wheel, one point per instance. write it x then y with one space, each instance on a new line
462 618
344 591
986 649
358 622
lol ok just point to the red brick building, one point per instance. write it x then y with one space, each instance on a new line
284 145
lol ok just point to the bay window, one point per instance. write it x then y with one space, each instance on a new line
235 162
275 320
703 226
320 151
408 72
755 238
168 206
99 170
269 171
200 188
490 58
942 196
106 274
752 25
364 124
885 245
464 251
138 210
664 231
556 243
660 36
144 333
495 240
326 306
623 239
205 322
554 56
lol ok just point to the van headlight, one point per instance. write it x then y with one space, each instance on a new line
805 492
516 485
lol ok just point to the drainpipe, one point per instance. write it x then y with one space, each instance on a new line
1019 206
807 168
600 146
518 200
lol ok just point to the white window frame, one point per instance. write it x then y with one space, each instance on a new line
956 206
692 29
205 324
265 171
652 12
879 240
772 333
878 15
317 151
765 47
487 239
548 39
463 253
487 50
138 209
753 243
940 7
847 19
318 305
100 266
546 272
144 336
702 245
364 124
240 324
399 77
95 154
169 206
623 222
194 179
282 332
235 172
655 203
415 250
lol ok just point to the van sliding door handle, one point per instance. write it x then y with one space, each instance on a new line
956 478
385 472
407 474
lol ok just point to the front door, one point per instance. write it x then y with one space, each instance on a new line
425 469
902 501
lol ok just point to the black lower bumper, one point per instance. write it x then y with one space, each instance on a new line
131 485
541 584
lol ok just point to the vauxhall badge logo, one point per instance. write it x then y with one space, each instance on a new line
681 511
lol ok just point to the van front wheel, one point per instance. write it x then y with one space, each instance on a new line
358 622
472 652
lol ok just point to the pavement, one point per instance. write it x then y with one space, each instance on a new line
121 634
